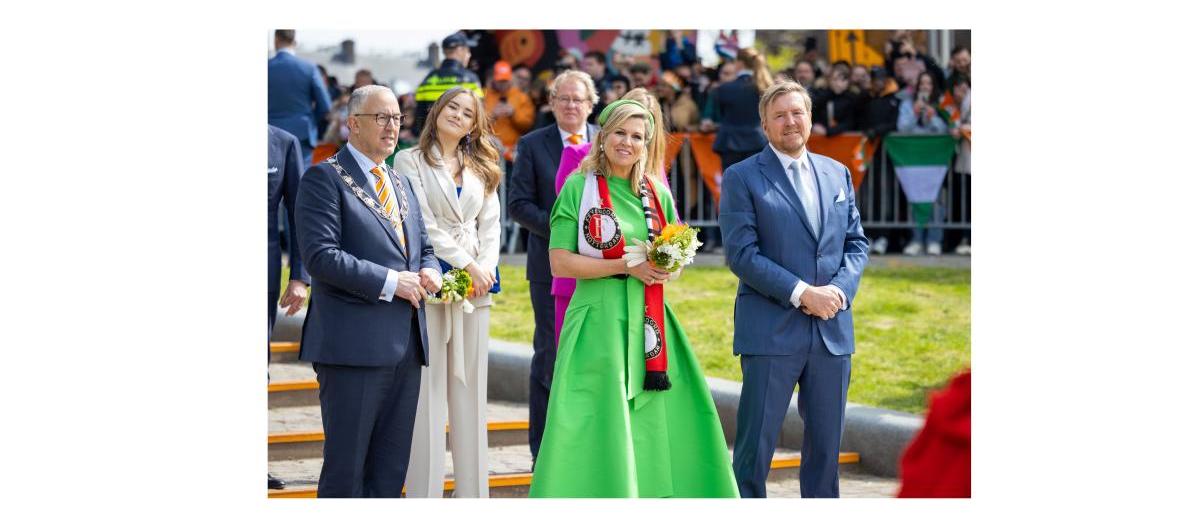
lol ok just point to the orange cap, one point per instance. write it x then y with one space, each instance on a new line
502 71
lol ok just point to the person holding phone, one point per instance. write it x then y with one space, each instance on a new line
509 110
919 116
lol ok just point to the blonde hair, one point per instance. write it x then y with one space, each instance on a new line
656 151
480 154
754 62
781 88
597 161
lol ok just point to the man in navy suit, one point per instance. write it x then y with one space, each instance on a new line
296 96
792 319
531 195
363 241
283 181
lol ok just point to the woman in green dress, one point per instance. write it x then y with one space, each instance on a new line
630 414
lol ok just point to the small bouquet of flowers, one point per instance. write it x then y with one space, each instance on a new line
674 248
456 284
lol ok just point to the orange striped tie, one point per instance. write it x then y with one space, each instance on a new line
389 205
575 139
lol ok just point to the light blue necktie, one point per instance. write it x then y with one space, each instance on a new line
806 197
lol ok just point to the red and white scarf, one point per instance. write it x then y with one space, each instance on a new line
600 237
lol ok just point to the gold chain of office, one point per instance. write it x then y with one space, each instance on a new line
369 200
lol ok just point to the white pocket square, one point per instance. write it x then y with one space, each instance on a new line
272 170
841 196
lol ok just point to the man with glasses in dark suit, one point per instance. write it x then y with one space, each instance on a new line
363 241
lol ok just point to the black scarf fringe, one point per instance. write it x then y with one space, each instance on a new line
657 381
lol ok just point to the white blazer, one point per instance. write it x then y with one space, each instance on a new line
462 229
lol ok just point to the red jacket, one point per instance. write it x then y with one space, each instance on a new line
938 462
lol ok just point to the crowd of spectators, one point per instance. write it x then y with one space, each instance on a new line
909 93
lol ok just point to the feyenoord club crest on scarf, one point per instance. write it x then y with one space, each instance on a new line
602 232
654 343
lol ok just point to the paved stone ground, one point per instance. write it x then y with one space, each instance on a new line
515 458
855 483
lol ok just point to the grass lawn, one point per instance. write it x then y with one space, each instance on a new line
912 327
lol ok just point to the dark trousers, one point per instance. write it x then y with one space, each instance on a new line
768 382
367 414
272 297
541 370
711 236
875 197
960 207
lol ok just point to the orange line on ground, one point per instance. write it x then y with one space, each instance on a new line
317 435
292 386
494 481
284 347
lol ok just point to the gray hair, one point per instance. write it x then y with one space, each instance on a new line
359 97
580 76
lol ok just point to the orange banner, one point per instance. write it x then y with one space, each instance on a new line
323 151
851 149
674 145
707 161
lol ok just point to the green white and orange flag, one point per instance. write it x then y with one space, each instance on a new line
922 162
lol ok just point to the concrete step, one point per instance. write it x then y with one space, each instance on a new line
855 482
296 419
285 351
292 384
508 469
296 433
310 443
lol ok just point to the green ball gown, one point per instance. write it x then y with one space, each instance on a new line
605 436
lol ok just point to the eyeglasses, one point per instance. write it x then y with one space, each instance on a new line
567 101
382 119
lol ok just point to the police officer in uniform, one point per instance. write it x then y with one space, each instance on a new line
452 72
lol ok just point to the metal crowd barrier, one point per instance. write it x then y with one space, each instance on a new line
882 204
880 198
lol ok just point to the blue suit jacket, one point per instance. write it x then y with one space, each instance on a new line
348 250
296 97
531 193
283 182
769 245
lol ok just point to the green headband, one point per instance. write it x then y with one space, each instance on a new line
603 118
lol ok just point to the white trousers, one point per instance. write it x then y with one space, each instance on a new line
457 343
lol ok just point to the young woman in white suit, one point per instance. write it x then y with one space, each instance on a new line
454 170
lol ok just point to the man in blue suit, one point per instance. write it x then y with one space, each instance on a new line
793 238
296 96
283 181
531 195
363 241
